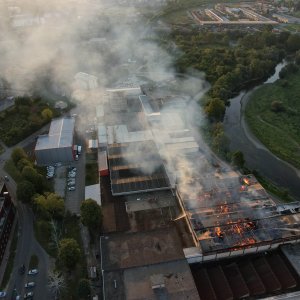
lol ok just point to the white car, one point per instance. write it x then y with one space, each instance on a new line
28 295
71 188
33 272
2 294
29 284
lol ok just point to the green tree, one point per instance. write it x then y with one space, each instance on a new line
47 114
238 159
55 205
25 191
293 43
91 214
68 253
277 106
50 205
215 110
219 139
17 154
22 163
30 174
84 289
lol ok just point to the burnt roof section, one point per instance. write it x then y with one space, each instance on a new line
136 167
228 212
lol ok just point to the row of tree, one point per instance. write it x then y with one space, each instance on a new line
25 117
35 190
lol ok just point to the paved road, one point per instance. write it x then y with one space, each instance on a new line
27 244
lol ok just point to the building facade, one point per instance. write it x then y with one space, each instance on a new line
7 216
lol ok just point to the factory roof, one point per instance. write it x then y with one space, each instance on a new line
119 134
93 144
102 160
102 135
249 277
60 135
136 167
122 251
226 212
148 107
93 192
100 111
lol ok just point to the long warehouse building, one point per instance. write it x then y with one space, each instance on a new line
57 145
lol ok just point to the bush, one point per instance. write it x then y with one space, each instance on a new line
277 106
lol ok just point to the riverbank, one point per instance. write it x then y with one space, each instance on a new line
277 130
257 156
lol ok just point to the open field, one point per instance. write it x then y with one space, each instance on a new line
278 131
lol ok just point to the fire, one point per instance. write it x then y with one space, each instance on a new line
247 242
224 209
246 180
219 232
180 217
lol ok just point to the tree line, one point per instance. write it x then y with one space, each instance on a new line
51 218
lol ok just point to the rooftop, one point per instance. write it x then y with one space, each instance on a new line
122 251
136 167
60 135
119 134
228 212
170 280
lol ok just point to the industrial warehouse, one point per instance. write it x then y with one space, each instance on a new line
57 145
159 179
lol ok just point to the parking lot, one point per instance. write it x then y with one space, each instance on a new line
69 183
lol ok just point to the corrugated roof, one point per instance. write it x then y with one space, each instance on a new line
60 135
119 134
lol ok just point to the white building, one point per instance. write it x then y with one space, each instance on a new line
86 81
57 145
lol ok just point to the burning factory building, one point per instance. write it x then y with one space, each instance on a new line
230 215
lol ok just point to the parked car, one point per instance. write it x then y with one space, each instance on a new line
6 178
29 284
72 175
2 294
33 272
71 188
28 295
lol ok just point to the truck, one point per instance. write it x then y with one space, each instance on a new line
79 149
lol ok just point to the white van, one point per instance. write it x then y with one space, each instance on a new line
78 149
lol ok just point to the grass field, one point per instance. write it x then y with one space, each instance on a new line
278 131
292 27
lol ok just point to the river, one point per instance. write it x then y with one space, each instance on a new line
257 156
